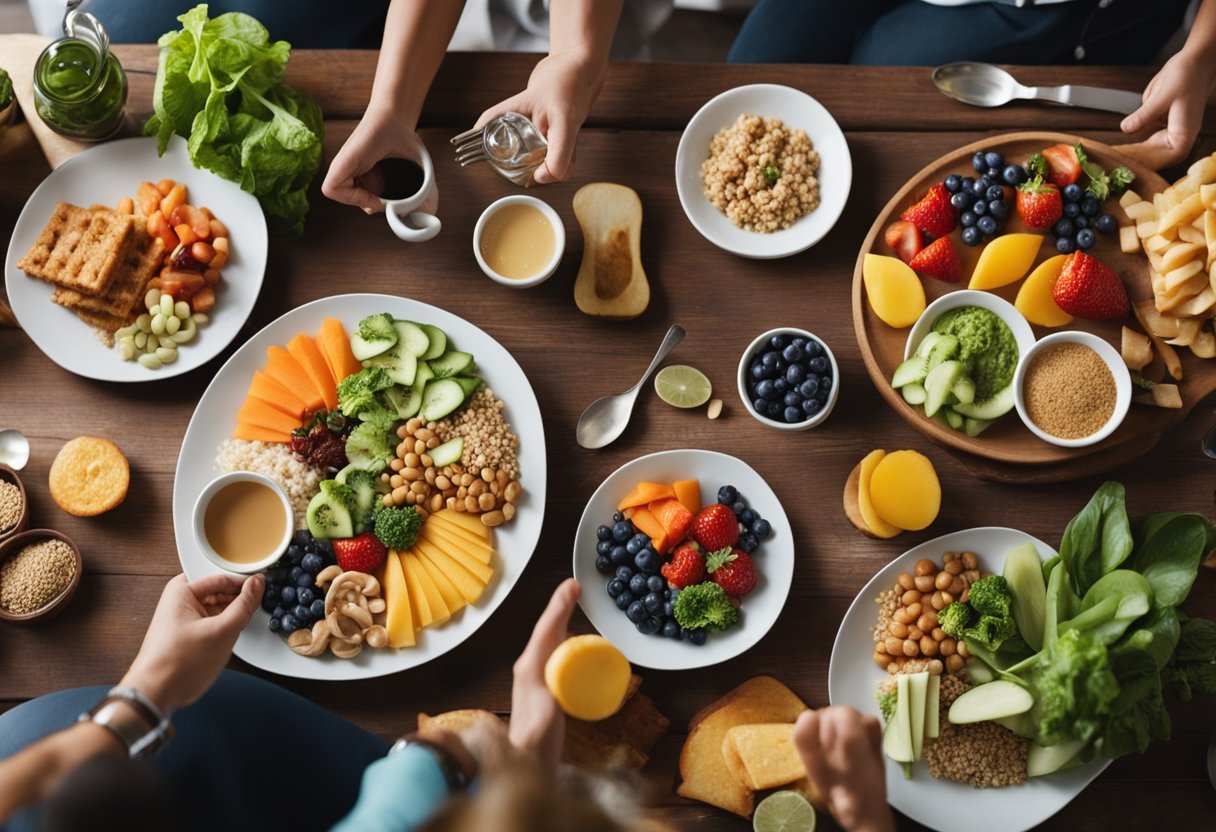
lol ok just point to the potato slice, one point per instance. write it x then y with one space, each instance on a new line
1129 240
1136 349
1162 395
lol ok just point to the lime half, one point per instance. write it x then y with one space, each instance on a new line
786 811
682 386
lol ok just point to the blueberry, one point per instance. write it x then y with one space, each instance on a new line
671 629
818 364
825 385
760 405
274 625
998 209
972 236
792 399
749 516
603 564
637 584
300 612
778 342
759 371
980 186
794 374
656 584
813 348
647 560
993 174
1086 239
301 537
697 636
774 409
781 385
1063 228
295 573
653 603
617 517
761 528
1073 192
811 406
624 599
624 573
667 594
289 623
792 415
808 388
1080 221
306 595
994 192
748 542
994 159
634 545
311 563
980 209
1066 245
269 603
1013 175
765 389
780 366
619 556
953 182
648 626
727 494
1071 209
622 530
986 225
603 533
669 609
770 359
317 608
271 591
793 353
305 580
1107 224
295 552
961 201
1090 206
615 587
288 595
968 182
978 162
603 547
968 219
738 507
636 611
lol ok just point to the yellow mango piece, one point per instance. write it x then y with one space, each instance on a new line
880 527
473 564
1034 299
417 576
478 549
467 584
588 677
399 617
470 523
452 597
893 289
1005 260
418 600
905 490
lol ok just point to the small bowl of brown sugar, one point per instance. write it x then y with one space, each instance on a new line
14 507
1072 389
39 572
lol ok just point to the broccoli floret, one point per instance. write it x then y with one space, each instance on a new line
368 447
955 619
398 527
378 328
991 631
886 704
705 605
357 393
991 596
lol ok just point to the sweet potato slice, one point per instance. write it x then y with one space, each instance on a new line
277 396
688 492
650 526
254 433
334 344
304 350
287 371
673 516
645 493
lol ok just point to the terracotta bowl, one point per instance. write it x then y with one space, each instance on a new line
17 542
23 522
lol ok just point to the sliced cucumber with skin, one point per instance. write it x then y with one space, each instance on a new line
401 367
448 453
411 338
914 394
363 350
912 371
1047 759
998 405
939 383
402 401
440 398
944 350
933 701
438 342
955 420
984 703
897 736
963 390
918 689
421 380
974 427
451 363
329 517
927 343
469 385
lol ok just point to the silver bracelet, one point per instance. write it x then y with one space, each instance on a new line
158 728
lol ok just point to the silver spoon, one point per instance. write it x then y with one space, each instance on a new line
985 85
14 449
605 419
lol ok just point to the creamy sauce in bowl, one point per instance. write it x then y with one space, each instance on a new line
244 522
518 241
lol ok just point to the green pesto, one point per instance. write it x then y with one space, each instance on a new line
986 347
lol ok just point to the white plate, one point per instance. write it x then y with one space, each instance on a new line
796 109
215 417
774 559
104 174
852 677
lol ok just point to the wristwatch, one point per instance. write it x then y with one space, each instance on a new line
131 717
453 773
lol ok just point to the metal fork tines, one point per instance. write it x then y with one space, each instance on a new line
470 147
511 144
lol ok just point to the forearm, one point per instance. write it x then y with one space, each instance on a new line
30 775
585 28
1201 41
416 35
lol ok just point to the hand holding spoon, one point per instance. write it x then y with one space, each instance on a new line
605 419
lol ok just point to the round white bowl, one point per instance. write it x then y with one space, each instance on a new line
1000 307
559 241
796 109
742 372
1114 363
200 513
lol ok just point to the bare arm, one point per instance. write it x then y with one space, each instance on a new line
31 774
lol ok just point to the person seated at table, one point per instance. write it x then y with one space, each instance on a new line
934 32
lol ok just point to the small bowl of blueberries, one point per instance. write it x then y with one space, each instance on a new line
788 379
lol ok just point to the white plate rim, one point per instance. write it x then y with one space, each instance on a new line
247 269
523 411
832 203
915 798
778 546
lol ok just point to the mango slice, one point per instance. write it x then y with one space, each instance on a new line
399 618
1005 260
893 289
1034 299
588 677
905 490
878 526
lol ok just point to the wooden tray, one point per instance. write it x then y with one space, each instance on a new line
1015 453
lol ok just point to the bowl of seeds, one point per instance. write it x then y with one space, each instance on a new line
39 572
14 507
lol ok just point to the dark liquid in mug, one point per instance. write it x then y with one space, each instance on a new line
402 178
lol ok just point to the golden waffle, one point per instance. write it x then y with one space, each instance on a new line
58 239
80 248
138 266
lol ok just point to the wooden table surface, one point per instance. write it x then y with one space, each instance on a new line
895 123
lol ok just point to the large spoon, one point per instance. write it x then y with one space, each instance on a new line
605 419
985 85
14 449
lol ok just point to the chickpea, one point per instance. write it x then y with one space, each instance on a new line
911 648
927 622
955 663
905 581
970 561
943 580
938 634
935 666
947 599
963 651
895 646
903 616
924 583
928 646
915 633
898 629
914 610
924 566
949 557
910 597
971 575
947 646
936 601
956 587
881 659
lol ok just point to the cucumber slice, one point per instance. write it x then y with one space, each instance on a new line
438 342
375 335
403 401
984 703
448 453
918 688
469 385
955 420
980 673
914 394
897 737
451 363
974 427
912 371
963 390
363 350
411 339
329 514
401 366
995 407
939 383
944 350
1047 759
933 702
425 374
440 398
927 343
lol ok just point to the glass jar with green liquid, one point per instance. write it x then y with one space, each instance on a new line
80 89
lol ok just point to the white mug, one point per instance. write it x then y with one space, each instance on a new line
407 222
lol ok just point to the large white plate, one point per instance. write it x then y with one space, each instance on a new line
215 417
774 559
941 804
796 109
103 175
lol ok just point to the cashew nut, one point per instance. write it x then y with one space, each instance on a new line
340 626
358 614
376 636
310 643
376 606
359 581
327 574
345 650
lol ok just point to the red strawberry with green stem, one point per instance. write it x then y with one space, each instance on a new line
364 553
733 570
1063 166
939 259
686 567
934 215
1039 204
1087 288
715 527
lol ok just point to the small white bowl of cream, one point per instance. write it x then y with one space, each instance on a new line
518 241
243 522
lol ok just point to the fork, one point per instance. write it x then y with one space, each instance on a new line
510 143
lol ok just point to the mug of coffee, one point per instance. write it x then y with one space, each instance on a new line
406 186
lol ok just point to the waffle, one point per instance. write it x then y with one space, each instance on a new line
137 267
79 249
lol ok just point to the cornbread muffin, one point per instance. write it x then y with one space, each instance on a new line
89 476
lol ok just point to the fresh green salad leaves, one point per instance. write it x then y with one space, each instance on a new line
1101 184
6 89
1098 539
219 84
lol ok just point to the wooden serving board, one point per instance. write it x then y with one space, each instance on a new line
1008 450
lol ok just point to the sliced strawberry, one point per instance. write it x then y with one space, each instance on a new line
1063 167
904 239
934 214
1087 288
939 259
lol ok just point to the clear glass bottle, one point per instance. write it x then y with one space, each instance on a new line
80 89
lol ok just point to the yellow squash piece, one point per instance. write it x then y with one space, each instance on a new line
880 527
588 677
1005 260
893 289
465 582
418 578
468 523
1034 299
477 549
453 599
473 565
905 490
399 617
418 600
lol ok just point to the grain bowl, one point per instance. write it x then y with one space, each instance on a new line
39 573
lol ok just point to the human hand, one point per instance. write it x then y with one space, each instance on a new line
560 92
191 635
1173 101
842 753
537 722
354 177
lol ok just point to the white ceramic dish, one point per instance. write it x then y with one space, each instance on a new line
105 174
1000 307
852 677
741 380
215 417
774 559
1118 371
796 109
559 241
200 520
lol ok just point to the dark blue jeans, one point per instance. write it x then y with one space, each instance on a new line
249 755
916 33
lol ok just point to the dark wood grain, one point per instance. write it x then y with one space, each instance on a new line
895 126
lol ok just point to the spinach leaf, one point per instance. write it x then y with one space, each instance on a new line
1137 717
1195 659
1170 554
1098 539
1153 638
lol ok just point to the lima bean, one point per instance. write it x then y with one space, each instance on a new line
126 332
141 340
126 350
152 299
144 322
151 362
158 324
152 345
166 305
166 356
172 324
186 333
201 318
167 342
181 309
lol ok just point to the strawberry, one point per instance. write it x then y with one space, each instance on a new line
686 567
940 260
904 239
934 214
1086 288
1039 204
1063 166
715 527
364 553
733 570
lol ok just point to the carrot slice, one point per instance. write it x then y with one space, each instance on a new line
688 492
287 371
304 350
645 493
335 346
650 526
253 433
673 516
